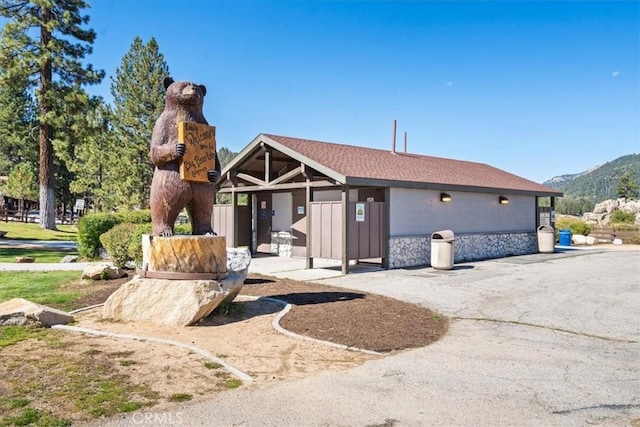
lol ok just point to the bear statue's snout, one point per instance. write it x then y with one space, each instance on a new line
190 89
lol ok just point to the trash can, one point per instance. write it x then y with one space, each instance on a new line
442 250
546 239
564 238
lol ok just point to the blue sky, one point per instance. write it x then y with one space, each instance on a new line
535 88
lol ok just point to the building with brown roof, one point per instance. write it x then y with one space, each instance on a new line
299 191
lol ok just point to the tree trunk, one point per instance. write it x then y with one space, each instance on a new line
47 195
185 254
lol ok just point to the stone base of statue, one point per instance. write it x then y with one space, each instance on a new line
183 279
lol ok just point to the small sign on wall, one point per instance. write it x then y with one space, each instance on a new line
300 210
545 218
359 212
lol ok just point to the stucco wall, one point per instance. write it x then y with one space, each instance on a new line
416 212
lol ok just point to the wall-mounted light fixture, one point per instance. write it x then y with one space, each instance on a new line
444 197
504 200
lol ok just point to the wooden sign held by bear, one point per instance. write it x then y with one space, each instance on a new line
169 192
200 157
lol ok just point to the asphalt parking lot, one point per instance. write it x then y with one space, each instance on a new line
548 340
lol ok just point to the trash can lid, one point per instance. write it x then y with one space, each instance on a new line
546 229
446 235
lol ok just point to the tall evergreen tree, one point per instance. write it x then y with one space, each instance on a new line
138 99
76 110
18 141
46 40
92 158
627 186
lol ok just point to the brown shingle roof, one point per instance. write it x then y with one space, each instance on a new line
375 164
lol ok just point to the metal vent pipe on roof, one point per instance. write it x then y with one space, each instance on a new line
393 137
405 142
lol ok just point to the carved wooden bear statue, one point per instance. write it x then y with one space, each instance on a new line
169 193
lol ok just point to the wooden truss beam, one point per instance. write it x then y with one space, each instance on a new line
287 186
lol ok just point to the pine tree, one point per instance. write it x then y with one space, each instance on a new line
138 99
46 40
76 111
21 184
18 141
92 158
627 186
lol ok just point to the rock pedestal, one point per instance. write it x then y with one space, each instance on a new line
183 279
170 302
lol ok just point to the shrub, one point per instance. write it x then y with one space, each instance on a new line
116 241
92 226
623 217
135 244
134 217
577 226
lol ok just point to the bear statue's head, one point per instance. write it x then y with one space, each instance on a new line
184 93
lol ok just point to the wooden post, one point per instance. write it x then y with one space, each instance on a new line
345 229
386 235
267 165
234 217
309 197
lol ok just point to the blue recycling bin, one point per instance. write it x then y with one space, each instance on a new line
564 238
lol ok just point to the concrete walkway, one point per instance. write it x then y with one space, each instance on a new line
43 266
547 339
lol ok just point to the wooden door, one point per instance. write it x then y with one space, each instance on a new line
264 223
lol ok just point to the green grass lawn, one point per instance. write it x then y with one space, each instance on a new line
9 254
32 231
39 287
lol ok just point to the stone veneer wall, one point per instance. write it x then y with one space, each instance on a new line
281 243
411 251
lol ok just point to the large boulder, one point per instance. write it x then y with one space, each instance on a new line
605 207
170 302
178 302
601 215
19 312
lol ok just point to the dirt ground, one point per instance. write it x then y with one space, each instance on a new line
243 337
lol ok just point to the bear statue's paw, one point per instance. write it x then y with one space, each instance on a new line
212 175
167 232
181 149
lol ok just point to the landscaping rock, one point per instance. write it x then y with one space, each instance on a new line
69 258
601 215
578 239
170 302
19 311
238 260
25 259
102 272
590 240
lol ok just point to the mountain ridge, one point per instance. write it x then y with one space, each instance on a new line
598 182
